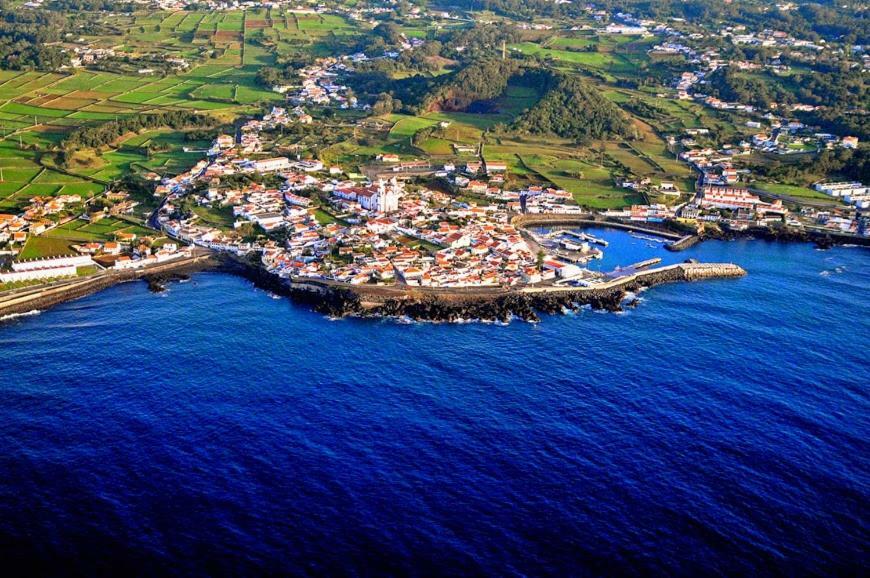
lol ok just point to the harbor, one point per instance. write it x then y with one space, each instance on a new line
583 258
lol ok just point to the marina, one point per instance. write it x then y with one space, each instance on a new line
580 235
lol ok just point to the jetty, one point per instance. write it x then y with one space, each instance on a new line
639 265
683 243
583 237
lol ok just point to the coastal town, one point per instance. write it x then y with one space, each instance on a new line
389 231
402 215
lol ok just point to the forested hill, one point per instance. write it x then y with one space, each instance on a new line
574 109
481 80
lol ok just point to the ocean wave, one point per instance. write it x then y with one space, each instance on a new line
839 270
11 316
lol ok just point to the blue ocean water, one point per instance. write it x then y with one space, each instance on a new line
720 428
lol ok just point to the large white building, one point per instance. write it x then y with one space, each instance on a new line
271 165
48 273
50 268
737 198
53 262
383 199
842 189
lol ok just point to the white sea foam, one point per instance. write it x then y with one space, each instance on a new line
17 315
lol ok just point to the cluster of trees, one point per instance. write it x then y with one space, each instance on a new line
285 71
479 40
520 9
839 89
572 108
731 85
481 80
835 121
108 132
842 89
388 94
810 20
842 94
419 60
385 36
24 35
845 163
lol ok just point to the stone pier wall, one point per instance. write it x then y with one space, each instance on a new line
493 303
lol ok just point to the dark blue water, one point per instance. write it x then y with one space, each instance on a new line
720 428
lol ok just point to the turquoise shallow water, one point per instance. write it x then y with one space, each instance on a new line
719 428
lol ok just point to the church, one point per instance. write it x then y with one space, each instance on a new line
383 198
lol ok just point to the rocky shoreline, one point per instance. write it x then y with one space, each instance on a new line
822 240
39 298
450 305
336 300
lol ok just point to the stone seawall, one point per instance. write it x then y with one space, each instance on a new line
683 243
580 220
501 304
42 297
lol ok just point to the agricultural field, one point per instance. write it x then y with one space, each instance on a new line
225 50
794 191
38 109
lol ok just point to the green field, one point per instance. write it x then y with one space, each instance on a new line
227 49
592 186
793 191
39 247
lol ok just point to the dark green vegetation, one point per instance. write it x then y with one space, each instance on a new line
852 165
843 91
108 132
24 35
811 20
573 109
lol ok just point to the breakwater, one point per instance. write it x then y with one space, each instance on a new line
483 303
683 243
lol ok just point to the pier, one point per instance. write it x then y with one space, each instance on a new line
683 243
638 266
583 237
